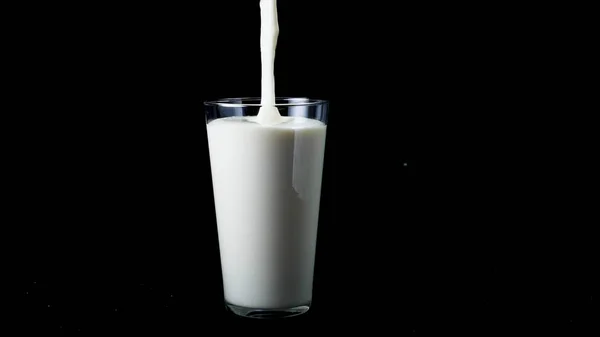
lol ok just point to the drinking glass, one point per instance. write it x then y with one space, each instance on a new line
267 190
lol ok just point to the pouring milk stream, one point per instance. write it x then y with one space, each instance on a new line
269 32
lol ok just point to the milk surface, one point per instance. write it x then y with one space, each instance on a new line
267 185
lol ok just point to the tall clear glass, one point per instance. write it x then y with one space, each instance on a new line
267 191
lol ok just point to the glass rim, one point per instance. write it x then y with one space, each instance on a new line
234 102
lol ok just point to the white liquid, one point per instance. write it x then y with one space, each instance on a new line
267 185
269 32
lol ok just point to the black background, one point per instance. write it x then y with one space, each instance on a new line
422 226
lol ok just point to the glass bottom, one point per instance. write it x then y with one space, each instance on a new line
267 313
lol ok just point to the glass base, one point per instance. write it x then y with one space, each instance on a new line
267 313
